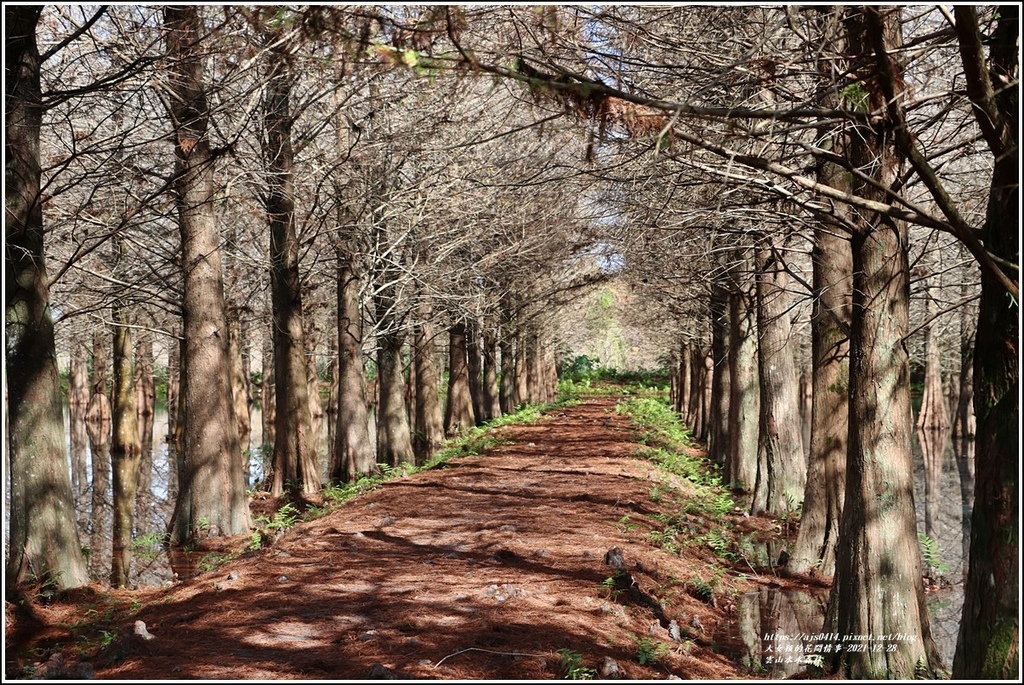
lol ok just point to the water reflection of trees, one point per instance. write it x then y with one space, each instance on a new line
775 627
944 468
944 496
158 481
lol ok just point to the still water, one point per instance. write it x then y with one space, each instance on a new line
770 622
156 505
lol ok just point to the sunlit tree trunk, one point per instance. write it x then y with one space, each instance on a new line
744 394
832 274
316 407
988 644
932 442
522 388
826 476
294 463
458 415
145 402
394 438
507 386
877 589
805 384
125 448
211 499
429 417
934 414
240 385
491 405
780 448
353 452
78 408
174 404
98 426
718 411
475 371
43 539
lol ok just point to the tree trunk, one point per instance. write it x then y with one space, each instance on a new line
145 401
294 464
98 426
507 385
394 439
316 408
832 271
268 397
475 371
178 435
934 414
240 386
534 371
174 405
805 384
43 537
491 405
458 415
877 589
964 430
211 499
673 381
685 380
353 454
522 393
696 391
718 411
779 442
78 408
550 374
932 442
125 449
429 418
332 397
744 394
988 644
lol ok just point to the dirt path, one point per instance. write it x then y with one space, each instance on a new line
479 570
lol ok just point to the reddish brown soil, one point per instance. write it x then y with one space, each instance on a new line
482 569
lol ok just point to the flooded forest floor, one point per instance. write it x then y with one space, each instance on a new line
558 553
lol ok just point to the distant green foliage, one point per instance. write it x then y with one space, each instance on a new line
586 374
580 367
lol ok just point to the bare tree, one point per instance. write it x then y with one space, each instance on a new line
211 501
44 545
